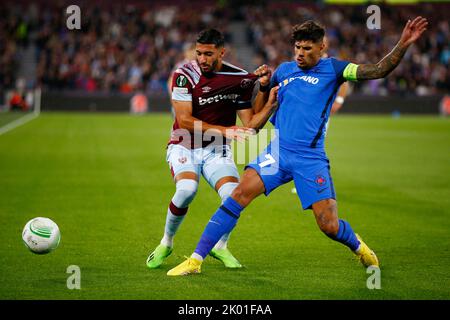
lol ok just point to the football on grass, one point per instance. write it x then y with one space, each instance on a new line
41 235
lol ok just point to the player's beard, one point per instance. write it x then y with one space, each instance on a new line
211 69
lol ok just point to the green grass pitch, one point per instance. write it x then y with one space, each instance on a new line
103 178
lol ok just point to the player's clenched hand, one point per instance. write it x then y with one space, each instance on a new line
264 73
413 30
238 133
273 96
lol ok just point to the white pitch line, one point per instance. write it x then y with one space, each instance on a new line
22 120
18 122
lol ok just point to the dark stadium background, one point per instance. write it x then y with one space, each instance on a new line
70 150
127 47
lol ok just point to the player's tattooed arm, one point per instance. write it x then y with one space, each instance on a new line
412 31
384 67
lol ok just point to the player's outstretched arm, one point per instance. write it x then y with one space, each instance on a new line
412 31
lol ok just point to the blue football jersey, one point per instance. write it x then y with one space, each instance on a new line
305 98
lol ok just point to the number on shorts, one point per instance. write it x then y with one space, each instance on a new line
269 161
224 152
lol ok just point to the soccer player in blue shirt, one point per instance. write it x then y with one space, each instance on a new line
305 89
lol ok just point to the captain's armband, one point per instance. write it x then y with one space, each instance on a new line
350 72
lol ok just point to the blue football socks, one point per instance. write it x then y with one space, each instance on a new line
346 235
222 222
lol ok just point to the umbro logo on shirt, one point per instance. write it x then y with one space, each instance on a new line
206 89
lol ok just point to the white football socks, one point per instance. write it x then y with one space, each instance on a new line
184 194
222 243
197 256
173 222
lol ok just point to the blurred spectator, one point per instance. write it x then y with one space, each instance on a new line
122 47
188 55
139 103
9 25
423 71
18 102
445 106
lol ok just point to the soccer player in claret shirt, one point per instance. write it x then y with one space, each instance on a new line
307 89
207 94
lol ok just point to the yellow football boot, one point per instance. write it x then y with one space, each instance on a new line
366 255
185 268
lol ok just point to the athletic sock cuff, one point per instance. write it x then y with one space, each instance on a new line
231 207
177 211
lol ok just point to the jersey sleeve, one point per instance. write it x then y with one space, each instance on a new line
181 87
247 87
274 79
350 72
344 70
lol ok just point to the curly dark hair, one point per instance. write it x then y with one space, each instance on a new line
308 30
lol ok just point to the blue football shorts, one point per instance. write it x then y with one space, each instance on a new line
309 168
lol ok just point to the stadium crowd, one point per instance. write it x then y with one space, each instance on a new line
123 47
11 35
424 70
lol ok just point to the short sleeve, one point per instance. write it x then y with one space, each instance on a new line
181 87
344 70
274 80
339 66
247 86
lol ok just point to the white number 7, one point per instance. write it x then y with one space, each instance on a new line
269 160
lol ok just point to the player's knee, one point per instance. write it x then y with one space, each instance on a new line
330 228
327 220
241 196
186 190
226 190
